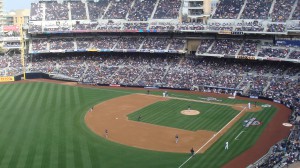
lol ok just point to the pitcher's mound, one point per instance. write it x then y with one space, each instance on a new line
190 112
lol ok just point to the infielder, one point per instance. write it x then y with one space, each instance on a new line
176 138
192 152
106 133
249 105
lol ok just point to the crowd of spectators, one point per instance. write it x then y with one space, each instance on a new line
167 9
228 9
274 52
118 9
78 11
39 45
276 80
249 48
56 11
276 27
225 46
296 14
177 44
137 14
282 10
285 152
104 42
204 45
130 43
36 12
97 9
295 55
83 43
62 44
234 47
156 43
142 10
257 9
109 42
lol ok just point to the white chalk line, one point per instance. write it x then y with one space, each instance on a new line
239 135
213 137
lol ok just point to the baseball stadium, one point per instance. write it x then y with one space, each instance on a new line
152 84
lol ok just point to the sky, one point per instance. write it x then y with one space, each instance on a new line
16 4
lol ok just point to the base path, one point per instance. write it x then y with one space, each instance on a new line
112 115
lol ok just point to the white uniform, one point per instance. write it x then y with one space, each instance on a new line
249 105
226 146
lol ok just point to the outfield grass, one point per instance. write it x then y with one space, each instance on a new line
42 125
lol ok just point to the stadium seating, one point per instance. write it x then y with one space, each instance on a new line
257 9
57 11
228 9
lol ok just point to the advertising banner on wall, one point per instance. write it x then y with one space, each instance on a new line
7 78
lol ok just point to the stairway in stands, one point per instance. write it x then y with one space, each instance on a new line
154 10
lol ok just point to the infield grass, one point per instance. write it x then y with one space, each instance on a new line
42 126
212 117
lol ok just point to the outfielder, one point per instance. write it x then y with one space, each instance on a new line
226 145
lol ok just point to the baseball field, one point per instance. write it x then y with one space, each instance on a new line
52 125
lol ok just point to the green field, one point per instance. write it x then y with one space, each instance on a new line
42 125
213 117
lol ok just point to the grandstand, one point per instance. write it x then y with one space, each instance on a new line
248 46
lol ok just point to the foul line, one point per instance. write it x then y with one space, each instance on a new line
239 135
212 138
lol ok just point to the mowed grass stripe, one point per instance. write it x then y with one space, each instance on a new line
66 131
85 156
29 129
5 117
73 101
47 95
55 120
35 127
47 126
20 117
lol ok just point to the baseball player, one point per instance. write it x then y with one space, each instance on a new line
226 145
249 105
176 138
140 117
192 152
106 133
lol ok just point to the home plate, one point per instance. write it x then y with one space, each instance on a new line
287 124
